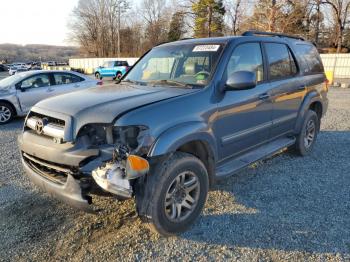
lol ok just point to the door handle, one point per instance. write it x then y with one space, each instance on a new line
264 96
301 88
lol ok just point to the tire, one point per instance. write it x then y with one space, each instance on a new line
305 140
118 76
163 194
6 113
98 76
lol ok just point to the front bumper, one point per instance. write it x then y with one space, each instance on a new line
70 192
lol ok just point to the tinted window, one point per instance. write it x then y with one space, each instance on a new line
64 79
281 62
41 80
247 57
310 55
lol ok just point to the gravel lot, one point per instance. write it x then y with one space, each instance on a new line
284 208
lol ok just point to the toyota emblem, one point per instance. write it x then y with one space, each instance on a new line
39 126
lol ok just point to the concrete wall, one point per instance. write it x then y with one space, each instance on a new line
337 67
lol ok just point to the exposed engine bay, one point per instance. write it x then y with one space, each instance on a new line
126 164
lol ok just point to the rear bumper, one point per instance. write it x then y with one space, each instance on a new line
69 193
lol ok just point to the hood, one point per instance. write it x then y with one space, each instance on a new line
104 103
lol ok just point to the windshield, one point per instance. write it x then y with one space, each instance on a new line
9 81
177 65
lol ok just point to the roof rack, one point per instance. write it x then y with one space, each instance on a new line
252 33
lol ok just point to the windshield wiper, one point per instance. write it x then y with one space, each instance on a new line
168 82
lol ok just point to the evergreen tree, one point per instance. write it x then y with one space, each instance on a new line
177 24
209 18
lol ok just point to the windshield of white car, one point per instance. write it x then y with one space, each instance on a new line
180 65
9 81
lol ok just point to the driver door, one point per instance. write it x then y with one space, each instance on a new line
244 116
34 89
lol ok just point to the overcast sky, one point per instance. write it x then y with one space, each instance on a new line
35 21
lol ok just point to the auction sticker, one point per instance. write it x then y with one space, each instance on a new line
206 48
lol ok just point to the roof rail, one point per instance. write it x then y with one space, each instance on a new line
252 33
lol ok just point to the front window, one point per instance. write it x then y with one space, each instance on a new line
177 65
36 81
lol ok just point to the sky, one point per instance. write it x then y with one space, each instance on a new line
35 21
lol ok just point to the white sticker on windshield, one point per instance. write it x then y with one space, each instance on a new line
206 48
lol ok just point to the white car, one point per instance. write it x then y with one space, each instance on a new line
14 69
18 93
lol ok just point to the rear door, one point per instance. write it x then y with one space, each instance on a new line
67 82
34 89
244 116
288 88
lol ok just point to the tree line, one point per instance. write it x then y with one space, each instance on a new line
107 28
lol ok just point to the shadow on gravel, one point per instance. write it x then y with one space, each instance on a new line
28 218
13 125
300 203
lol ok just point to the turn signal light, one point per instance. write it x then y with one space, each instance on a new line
136 166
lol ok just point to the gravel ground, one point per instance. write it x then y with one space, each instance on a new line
285 208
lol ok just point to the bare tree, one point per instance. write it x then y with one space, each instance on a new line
235 13
154 14
340 10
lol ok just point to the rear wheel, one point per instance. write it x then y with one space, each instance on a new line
118 76
309 131
6 113
177 193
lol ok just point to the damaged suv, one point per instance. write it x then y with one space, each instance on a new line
187 113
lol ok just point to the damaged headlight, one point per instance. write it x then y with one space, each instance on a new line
135 138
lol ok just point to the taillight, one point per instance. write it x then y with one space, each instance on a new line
99 83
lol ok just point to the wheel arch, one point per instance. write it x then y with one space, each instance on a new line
10 104
194 138
312 101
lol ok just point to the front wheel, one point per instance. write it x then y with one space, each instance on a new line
179 190
308 134
6 113
98 76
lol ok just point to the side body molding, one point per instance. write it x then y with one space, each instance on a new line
176 136
311 97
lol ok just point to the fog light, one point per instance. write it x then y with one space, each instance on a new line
136 166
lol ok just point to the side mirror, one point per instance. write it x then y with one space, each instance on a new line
241 80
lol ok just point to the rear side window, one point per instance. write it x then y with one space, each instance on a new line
281 61
64 79
247 57
309 54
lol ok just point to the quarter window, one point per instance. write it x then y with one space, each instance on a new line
310 55
247 57
65 79
281 61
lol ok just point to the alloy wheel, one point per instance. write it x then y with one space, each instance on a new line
310 132
182 196
5 114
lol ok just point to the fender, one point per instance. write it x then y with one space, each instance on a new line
176 136
311 97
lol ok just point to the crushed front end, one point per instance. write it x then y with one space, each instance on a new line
101 159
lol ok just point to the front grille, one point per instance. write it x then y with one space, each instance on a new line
51 120
46 125
53 172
